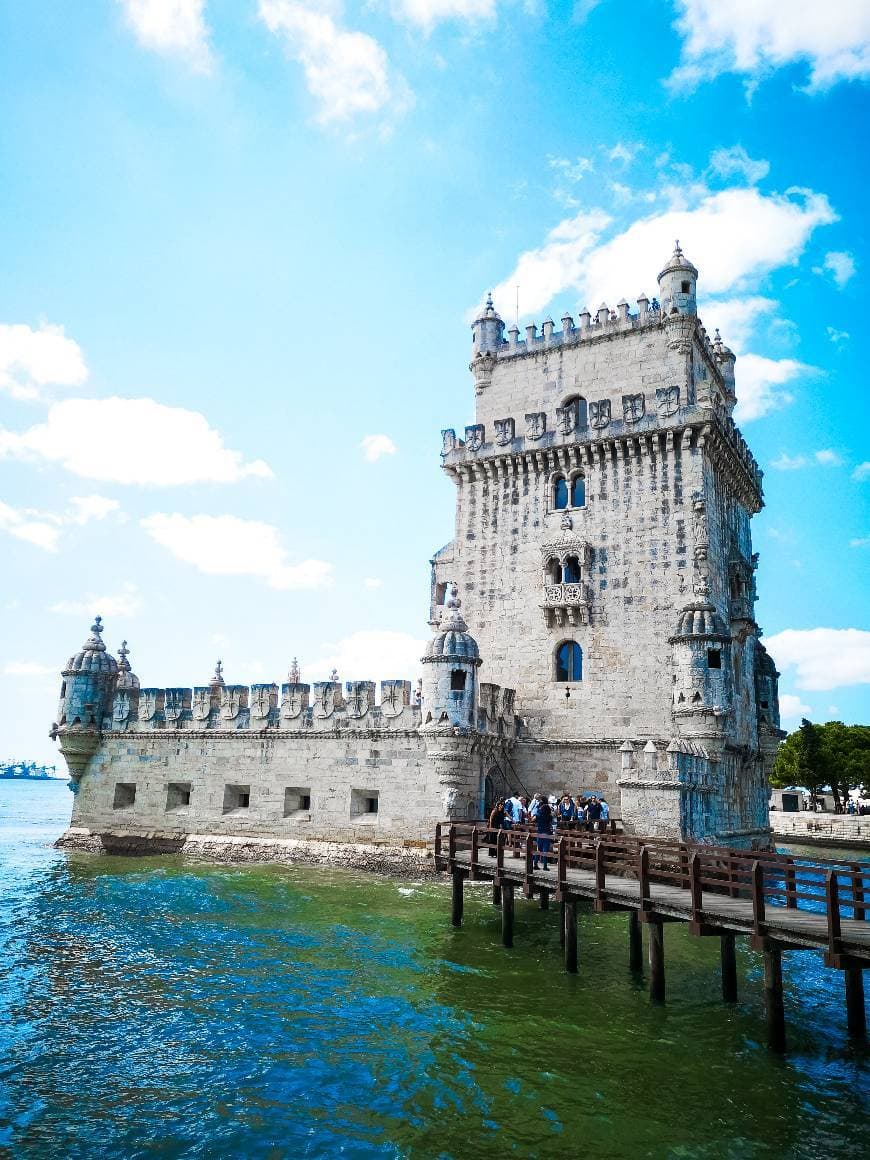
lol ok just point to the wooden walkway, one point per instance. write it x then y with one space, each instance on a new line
779 902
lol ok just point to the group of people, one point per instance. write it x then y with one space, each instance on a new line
545 814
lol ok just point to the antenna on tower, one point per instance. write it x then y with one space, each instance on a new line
518 306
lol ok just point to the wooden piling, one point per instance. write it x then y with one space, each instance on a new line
656 942
571 936
544 898
562 907
507 914
635 943
496 893
856 1015
773 996
458 898
728 956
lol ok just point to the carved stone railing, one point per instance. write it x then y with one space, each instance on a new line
566 604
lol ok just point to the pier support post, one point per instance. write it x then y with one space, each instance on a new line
773 996
544 899
562 907
507 914
458 898
571 936
496 893
656 938
635 943
856 1016
728 955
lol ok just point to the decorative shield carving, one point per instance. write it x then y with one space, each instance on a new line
395 695
201 706
294 700
261 701
633 408
536 424
231 701
324 698
121 708
360 698
149 702
474 436
667 400
174 705
448 441
504 431
599 413
566 419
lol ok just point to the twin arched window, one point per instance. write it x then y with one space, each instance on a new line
570 491
569 661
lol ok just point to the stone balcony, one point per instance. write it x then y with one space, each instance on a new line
566 604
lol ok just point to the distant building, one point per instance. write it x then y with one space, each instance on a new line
603 559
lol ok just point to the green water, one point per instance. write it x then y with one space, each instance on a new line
157 1007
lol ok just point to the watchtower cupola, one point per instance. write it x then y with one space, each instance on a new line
487 330
88 683
450 677
678 285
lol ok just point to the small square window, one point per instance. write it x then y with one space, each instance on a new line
364 804
687 287
714 658
457 680
178 795
236 797
125 795
297 801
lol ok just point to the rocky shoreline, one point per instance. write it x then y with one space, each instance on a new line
397 860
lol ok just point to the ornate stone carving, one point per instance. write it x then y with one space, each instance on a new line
201 707
699 519
324 698
667 401
263 700
174 705
360 698
231 701
149 703
474 436
633 408
448 441
566 419
294 700
536 424
504 431
122 708
395 695
599 413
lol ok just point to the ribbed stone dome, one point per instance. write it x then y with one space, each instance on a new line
678 261
700 620
92 656
452 641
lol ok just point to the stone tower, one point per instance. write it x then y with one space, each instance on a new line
603 556
86 697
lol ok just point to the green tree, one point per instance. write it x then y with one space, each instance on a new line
832 754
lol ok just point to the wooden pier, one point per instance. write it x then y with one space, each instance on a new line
779 902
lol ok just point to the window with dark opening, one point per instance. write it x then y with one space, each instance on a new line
297 800
457 680
125 795
371 805
236 797
580 409
714 658
569 661
177 795
571 570
687 287
578 491
560 492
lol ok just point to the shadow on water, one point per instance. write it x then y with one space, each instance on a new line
164 1008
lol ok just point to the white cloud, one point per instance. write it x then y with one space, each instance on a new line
837 336
823 658
754 37
347 73
427 13
828 458
785 462
760 383
839 264
44 528
792 708
738 235
374 447
863 542
373 582
736 162
373 655
127 602
229 546
131 441
624 152
33 359
862 471
172 28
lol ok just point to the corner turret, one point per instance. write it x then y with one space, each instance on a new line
487 330
450 677
678 285
89 678
702 668
726 358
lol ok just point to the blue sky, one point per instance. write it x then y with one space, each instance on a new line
241 243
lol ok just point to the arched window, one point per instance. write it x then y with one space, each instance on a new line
554 571
571 571
578 491
569 661
580 408
560 492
